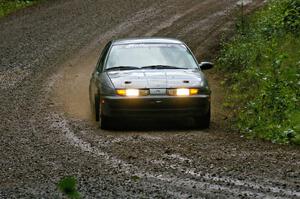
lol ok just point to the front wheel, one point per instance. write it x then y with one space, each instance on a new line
105 122
97 108
203 121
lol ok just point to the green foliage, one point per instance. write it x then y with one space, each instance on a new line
262 67
68 187
8 6
135 178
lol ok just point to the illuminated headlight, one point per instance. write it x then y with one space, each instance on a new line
132 92
183 91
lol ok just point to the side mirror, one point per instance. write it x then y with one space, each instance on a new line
206 65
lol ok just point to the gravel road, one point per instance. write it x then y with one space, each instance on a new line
47 53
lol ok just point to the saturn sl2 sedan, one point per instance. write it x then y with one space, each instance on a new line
149 78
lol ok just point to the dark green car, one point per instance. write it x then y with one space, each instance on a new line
149 78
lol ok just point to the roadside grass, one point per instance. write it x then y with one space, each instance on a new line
261 64
9 6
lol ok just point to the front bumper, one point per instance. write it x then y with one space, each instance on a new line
155 106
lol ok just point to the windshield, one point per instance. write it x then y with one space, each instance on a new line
143 55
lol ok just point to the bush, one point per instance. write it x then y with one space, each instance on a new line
262 66
67 186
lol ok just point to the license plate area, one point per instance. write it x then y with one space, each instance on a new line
158 91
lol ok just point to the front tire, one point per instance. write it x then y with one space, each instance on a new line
203 121
105 122
97 108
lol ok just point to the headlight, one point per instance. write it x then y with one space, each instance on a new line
132 92
183 91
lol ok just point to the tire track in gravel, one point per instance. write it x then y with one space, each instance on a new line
192 180
168 23
214 183
204 182
204 12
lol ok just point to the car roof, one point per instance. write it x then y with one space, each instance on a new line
146 40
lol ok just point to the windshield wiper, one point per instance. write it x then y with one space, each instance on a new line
161 67
122 68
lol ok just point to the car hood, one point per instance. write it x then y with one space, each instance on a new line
157 78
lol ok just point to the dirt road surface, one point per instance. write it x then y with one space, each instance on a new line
46 132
